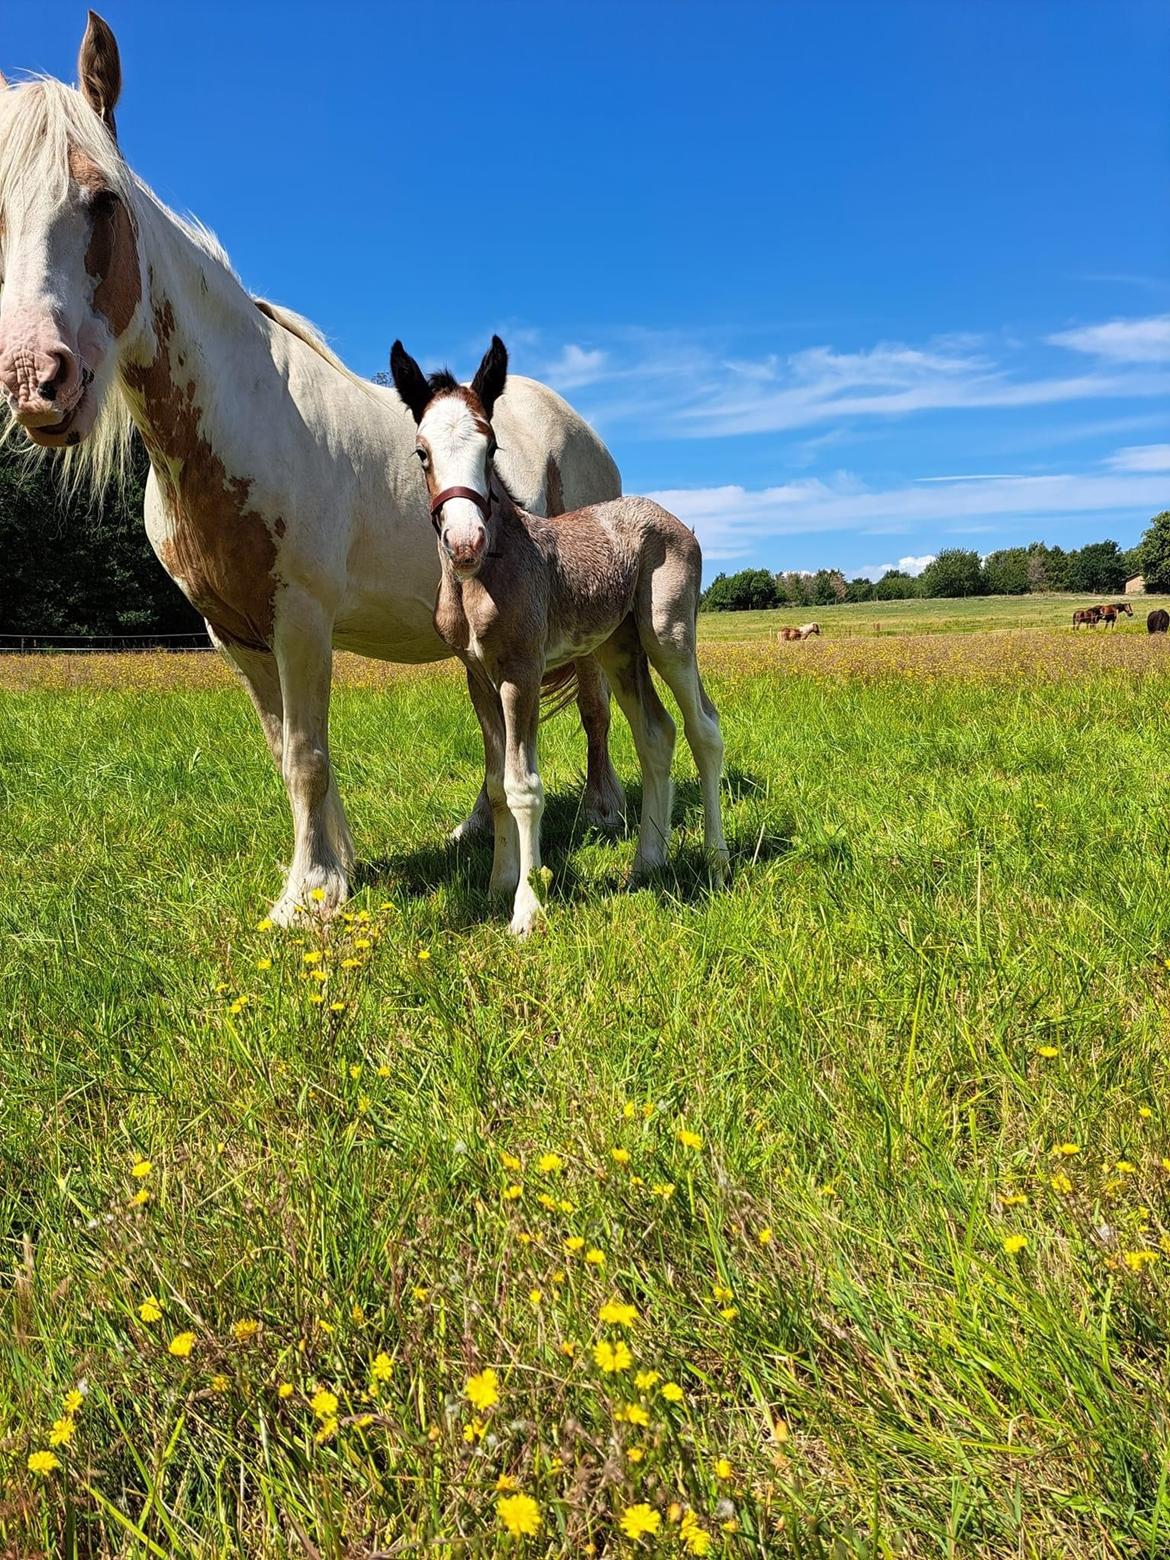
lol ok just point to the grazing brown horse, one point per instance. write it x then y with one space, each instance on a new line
1107 615
1089 616
787 634
1158 621
1123 606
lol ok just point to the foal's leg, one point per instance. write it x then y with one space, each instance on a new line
506 859
605 802
304 654
624 663
520 698
260 675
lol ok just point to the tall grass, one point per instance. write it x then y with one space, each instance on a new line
810 1129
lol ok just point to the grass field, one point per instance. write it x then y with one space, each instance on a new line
826 1216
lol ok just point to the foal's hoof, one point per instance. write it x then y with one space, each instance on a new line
526 921
719 867
318 901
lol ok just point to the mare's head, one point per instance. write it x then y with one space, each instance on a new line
456 447
69 259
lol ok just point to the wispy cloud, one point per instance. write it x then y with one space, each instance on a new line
575 367
1121 341
1141 457
732 522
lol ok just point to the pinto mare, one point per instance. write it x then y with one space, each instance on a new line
522 593
283 495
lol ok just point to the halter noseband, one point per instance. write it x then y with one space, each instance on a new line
484 505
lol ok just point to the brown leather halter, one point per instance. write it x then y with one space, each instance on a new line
484 505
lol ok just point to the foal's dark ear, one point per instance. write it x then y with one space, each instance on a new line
492 375
409 380
99 70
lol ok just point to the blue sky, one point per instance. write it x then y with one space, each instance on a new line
842 281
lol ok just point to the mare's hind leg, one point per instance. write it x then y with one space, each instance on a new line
666 629
258 671
624 662
605 802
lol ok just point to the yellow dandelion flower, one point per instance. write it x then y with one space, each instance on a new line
1145 1112
324 1403
689 1139
672 1392
383 1071
511 1193
482 1391
316 998
645 1379
150 1311
535 1296
612 1357
265 925
73 1400
1124 1167
424 954
696 1540
595 1258
722 1468
549 1164
505 1483
326 1432
564 1206
140 1168
511 1162
263 964
663 1189
285 1389
419 1293
635 1414
62 1432
219 1383
337 1007
546 1201
617 1313
620 1156
1014 1199
764 1236
247 1327
1014 1243
720 1292
567 1348
574 1242
729 1313
382 1367
181 1345
557 1276
363 943
634 1454
637 1521
1067 1149
519 1514
474 1430
629 1110
1137 1260
317 895
42 1462
1061 1183
140 1198
312 957
1047 1051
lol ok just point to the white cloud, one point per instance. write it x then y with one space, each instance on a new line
1121 341
576 366
1141 457
914 566
732 522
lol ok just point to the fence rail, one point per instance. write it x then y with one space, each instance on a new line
95 644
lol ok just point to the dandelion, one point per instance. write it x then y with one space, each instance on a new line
317 895
140 1198
722 1468
1067 1149
285 1389
612 1357
1061 1183
140 1168
629 1110
419 1293
511 1193
557 1276
1124 1167
423 955
574 1242
474 1430
548 1202
636 1521
181 1345
634 1454
672 1392
219 1383
265 925
1137 1260
382 1368
505 1483
482 1391
549 1164
729 1313
62 1432
326 1432
663 1189
1145 1112
689 1139
338 1007
519 1514
1014 1243
263 964
567 1348
73 1400
720 1292
1014 1200
511 1162
566 1207
696 1540
324 1403
634 1414
42 1462
595 1258
150 1311
645 1379
364 944
764 1236
535 1296
618 1313
1047 1052
247 1327
620 1156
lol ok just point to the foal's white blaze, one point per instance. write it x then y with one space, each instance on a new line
458 458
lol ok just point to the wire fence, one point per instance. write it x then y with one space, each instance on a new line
95 644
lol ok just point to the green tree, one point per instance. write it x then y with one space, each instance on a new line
896 585
1154 552
746 591
1005 573
859 589
794 589
955 572
1098 569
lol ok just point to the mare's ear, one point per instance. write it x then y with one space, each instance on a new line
409 380
491 376
99 70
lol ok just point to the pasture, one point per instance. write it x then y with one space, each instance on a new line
823 1216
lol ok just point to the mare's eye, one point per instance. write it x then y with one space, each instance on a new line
493 449
103 203
422 455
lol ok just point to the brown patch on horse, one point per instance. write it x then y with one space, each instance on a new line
111 256
220 551
554 493
99 71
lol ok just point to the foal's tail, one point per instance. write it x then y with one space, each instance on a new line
558 689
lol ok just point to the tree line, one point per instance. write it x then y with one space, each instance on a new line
1097 569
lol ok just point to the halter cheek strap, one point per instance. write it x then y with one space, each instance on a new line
482 503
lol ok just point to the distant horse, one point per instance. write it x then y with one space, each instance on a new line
787 634
1158 621
1108 616
806 630
1090 616
1123 606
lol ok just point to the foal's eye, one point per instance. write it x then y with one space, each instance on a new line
422 455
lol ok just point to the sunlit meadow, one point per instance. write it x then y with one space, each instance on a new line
825 1216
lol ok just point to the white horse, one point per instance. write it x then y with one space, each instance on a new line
283 495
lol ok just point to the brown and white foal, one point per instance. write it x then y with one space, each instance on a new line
520 595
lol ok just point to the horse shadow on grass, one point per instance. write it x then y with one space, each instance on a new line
463 867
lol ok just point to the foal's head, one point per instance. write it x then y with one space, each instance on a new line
456 448
69 260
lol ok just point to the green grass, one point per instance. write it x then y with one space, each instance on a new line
973 613
942 865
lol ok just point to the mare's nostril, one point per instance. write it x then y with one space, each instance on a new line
47 389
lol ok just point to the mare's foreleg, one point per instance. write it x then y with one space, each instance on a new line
605 802
317 878
520 699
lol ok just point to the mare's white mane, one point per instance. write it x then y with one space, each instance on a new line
41 120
